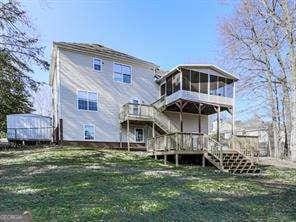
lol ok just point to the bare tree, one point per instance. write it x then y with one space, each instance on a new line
260 41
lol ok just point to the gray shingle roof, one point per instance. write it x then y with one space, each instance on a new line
97 48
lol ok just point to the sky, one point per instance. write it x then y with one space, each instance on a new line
164 32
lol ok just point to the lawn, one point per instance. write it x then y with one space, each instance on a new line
84 184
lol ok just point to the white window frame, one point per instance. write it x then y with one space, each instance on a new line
93 64
77 106
122 64
138 104
135 133
84 131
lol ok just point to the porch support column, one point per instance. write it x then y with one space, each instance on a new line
233 122
199 118
203 160
218 123
120 136
177 159
153 129
127 135
181 105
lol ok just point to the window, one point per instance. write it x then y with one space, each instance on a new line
162 90
139 134
89 132
135 102
122 73
176 82
203 83
186 79
229 88
194 81
169 89
97 64
213 85
221 86
87 100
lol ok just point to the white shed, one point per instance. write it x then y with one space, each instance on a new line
29 127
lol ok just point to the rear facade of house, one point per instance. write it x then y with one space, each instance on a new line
104 96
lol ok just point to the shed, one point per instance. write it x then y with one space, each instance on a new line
29 127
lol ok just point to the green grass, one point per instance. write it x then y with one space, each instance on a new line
81 184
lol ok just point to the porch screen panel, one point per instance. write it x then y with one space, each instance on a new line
213 85
169 89
221 86
194 81
229 88
203 83
186 79
176 82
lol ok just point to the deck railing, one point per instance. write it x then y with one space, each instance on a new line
178 142
247 145
147 112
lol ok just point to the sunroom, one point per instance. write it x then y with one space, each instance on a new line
197 89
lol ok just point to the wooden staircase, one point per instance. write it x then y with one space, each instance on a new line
233 161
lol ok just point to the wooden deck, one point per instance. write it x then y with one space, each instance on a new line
224 157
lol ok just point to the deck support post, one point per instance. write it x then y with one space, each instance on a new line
127 135
218 123
177 159
199 118
165 159
153 129
203 160
155 156
233 122
120 137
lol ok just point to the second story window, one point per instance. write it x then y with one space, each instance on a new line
97 64
87 100
122 73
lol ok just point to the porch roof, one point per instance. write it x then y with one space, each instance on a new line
198 66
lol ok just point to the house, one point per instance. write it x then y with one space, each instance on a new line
108 98
94 88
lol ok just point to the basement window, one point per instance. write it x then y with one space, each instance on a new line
89 132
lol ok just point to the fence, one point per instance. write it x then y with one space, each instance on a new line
32 134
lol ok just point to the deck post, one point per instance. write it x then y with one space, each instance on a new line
127 135
218 123
199 118
177 159
233 110
153 129
203 160
233 122
165 159
120 137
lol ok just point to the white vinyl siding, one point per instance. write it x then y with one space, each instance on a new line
122 73
87 100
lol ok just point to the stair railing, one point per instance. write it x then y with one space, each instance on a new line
246 145
163 121
216 149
